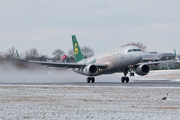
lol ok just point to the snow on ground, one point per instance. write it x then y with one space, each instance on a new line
89 102
160 75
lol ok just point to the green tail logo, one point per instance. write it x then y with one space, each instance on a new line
77 51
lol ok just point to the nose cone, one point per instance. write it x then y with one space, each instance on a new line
138 57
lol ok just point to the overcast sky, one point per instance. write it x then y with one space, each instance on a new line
103 25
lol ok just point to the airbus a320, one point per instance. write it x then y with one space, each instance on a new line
123 59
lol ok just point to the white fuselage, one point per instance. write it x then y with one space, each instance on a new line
116 60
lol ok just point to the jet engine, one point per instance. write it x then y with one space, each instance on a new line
142 70
90 70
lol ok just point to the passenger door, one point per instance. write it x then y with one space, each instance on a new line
122 53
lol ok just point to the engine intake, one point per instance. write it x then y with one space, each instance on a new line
142 70
90 70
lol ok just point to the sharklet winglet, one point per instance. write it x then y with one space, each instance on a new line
176 57
19 57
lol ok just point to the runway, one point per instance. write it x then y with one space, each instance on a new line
140 83
68 96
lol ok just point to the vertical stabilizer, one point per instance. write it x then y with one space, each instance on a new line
176 57
77 51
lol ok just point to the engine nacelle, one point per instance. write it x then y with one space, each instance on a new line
90 70
142 70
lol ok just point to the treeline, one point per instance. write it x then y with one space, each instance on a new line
33 54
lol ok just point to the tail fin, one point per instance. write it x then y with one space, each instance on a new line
176 57
18 55
77 51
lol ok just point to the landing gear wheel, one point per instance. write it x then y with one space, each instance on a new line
92 79
122 79
88 79
131 74
127 79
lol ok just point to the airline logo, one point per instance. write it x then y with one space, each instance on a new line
76 49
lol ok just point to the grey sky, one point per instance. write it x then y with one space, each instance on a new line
103 25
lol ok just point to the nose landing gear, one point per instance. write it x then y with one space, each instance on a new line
132 72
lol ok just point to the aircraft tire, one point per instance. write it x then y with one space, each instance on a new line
122 79
127 79
92 79
131 74
88 79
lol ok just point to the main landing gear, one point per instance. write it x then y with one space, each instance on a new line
125 79
90 79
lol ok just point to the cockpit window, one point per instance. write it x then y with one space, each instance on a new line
130 50
134 50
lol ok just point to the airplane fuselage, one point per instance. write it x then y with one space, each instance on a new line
116 60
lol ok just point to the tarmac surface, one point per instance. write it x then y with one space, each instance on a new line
167 78
141 83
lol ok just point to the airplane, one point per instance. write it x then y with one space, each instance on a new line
119 60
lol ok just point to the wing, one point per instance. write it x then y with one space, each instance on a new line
155 63
65 65
158 62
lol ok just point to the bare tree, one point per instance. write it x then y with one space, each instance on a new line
1 55
42 58
32 54
87 52
58 54
71 54
140 45
12 53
